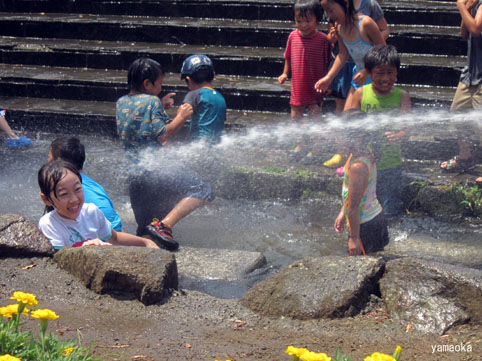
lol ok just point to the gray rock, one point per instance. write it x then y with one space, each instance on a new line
432 296
217 264
124 272
430 248
22 238
326 287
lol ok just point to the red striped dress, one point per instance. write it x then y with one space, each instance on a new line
309 60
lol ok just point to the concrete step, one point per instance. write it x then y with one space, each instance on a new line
250 93
438 12
235 61
241 93
98 117
200 31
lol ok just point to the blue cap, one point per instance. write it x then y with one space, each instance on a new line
193 63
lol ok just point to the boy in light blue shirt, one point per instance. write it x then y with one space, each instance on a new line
209 106
72 150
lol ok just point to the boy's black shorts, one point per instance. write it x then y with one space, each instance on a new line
374 234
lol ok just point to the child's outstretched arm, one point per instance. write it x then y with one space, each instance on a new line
183 112
167 100
286 71
127 239
323 84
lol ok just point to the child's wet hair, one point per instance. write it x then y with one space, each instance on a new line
204 74
69 149
50 174
381 55
308 7
360 136
142 69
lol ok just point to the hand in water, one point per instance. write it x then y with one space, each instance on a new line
354 247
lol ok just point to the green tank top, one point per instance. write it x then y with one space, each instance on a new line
391 152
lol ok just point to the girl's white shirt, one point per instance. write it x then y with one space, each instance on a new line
63 232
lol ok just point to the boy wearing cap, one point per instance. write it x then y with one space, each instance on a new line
209 106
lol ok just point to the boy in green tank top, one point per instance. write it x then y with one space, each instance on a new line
382 63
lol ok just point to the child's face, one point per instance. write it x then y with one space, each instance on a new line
306 24
153 88
70 196
334 11
384 77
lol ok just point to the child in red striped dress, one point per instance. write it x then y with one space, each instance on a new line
307 58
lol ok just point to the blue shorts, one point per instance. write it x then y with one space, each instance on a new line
342 82
356 86
154 194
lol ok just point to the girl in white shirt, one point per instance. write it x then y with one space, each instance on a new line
70 222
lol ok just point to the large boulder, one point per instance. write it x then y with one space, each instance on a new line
325 287
22 238
125 272
431 296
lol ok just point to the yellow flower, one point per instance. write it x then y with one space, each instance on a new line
67 351
295 351
27 299
44 314
11 310
314 356
377 356
8 357
398 351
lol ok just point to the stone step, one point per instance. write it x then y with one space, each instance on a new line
240 61
199 31
241 93
438 12
98 117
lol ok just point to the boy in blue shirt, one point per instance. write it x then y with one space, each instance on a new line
72 150
209 106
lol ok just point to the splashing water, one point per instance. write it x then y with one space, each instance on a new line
284 230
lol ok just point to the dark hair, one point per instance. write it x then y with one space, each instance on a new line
50 174
69 149
309 6
142 69
381 55
348 7
359 140
204 73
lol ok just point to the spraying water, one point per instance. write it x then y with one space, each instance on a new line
284 230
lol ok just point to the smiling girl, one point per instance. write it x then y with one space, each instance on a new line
70 222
